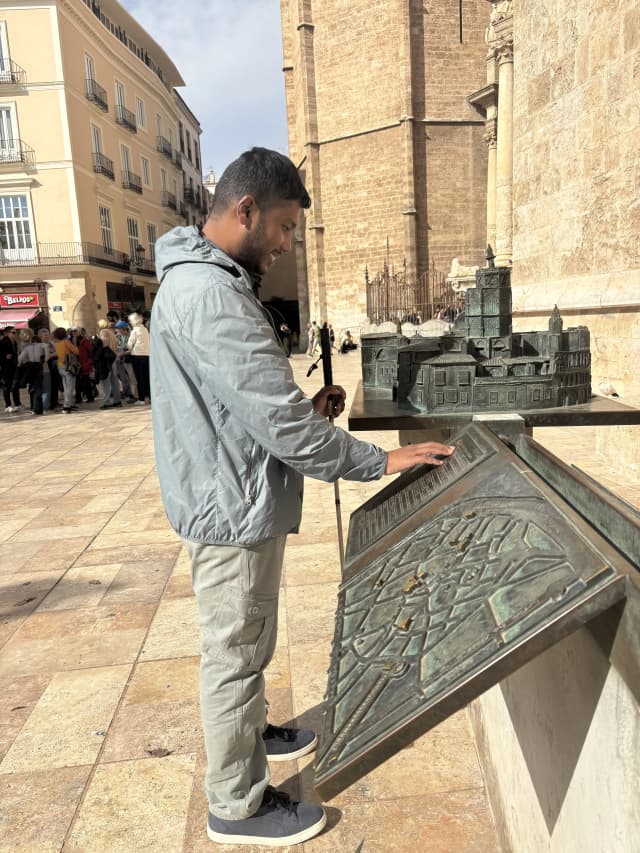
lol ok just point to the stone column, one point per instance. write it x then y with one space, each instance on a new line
490 137
504 154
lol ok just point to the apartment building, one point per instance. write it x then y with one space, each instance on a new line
91 163
194 199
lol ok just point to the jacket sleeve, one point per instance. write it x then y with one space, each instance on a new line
240 364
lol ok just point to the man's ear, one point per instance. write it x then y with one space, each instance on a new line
245 211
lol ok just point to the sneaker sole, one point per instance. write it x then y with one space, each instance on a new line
298 838
291 756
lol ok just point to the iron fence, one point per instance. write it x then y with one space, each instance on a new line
97 94
16 151
11 73
399 297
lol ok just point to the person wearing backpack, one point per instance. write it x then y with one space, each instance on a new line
68 367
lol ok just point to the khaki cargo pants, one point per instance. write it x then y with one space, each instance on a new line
237 594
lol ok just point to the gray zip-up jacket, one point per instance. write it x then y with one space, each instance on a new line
233 433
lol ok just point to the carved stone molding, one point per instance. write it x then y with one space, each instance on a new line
501 9
504 50
491 133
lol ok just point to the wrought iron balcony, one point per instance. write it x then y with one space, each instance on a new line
11 74
169 200
126 118
189 196
131 181
97 94
16 151
177 159
183 211
65 254
164 147
103 166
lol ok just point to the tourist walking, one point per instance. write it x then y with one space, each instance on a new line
139 349
8 368
68 368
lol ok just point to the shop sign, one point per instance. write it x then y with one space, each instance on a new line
19 300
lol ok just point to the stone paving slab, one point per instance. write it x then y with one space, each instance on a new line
100 738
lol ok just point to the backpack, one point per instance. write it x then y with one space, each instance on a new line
71 363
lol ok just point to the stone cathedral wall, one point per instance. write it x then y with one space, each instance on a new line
576 186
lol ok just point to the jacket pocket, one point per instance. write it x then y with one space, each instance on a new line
241 631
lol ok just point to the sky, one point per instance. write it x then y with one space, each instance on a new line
230 57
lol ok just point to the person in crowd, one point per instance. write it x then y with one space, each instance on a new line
315 338
64 347
232 480
123 361
49 358
346 342
30 367
8 369
105 365
139 349
112 318
84 384
332 338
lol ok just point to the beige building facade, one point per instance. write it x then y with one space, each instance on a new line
90 161
392 151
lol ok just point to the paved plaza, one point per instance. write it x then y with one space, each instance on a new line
100 738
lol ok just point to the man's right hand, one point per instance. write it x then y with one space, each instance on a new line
417 454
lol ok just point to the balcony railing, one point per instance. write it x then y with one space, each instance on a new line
177 159
169 200
16 151
103 166
131 181
126 118
97 94
65 254
189 196
11 74
164 147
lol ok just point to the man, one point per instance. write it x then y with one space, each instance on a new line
234 436
8 368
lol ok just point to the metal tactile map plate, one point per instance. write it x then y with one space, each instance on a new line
455 577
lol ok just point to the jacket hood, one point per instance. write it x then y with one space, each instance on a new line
185 244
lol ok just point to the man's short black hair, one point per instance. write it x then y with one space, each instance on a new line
270 177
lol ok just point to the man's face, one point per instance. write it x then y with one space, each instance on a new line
269 236
45 337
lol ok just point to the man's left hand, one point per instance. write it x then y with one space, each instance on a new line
330 408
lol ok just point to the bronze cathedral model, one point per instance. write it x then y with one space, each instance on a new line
482 365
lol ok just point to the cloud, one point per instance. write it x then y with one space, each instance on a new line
230 57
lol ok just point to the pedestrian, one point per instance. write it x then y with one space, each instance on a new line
346 342
49 359
8 369
232 481
109 382
30 364
84 383
139 349
315 338
67 367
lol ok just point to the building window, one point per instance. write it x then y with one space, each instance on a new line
119 94
163 180
5 64
493 397
196 151
440 377
181 135
9 143
126 158
152 236
464 377
134 242
158 124
96 138
15 227
146 171
89 67
140 113
451 395
106 230
188 147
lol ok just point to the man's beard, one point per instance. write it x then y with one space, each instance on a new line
251 254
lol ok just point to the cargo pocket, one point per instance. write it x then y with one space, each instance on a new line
241 631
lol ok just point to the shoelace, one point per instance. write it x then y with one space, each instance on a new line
273 797
279 731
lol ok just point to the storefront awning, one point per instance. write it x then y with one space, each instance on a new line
17 318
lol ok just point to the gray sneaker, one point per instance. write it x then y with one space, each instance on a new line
278 822
284 744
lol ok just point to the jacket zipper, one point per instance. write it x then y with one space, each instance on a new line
248 499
